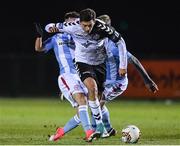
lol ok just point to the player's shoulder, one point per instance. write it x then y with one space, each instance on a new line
70 24
98 21
102 26
62 35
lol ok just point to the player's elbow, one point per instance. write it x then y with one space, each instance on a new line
38 45
38 49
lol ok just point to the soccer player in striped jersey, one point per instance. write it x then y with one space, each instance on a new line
89 35
69 82
115 84
113 51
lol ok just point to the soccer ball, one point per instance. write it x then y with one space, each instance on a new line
130 134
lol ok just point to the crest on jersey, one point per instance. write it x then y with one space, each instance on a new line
76 87
87 44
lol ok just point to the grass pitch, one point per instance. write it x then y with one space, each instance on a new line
29 121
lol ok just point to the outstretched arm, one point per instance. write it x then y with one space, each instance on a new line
122 57
150 84
110 32
42 42
39 35
68 27
116 38
38 44
51 28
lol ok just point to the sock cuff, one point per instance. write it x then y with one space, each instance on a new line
104 109
94 104
76 118
83 108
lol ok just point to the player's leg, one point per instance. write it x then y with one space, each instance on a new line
71 124
71 88
96 112
61 131
111 91
150 84
93 100
79 94
84 117
100 78
106 121
106 118
88 76
114 89
74 121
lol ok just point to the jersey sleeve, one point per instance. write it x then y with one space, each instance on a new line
115 36
107 31
129 56
47 44
122 54
68 27
118 40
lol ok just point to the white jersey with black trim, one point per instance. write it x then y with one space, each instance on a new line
90 47
88 50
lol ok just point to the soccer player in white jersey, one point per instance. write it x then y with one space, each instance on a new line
89 35
69 82
111 95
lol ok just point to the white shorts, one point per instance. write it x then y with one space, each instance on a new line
114 89
71 84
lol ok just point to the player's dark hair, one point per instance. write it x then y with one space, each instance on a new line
87 15
72 14
106 19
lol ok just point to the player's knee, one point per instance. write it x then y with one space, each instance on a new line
90 84
92 88
81 99
92 93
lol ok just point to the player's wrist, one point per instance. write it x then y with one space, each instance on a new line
48 26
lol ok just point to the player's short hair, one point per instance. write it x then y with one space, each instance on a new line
72 14
87 15
106 19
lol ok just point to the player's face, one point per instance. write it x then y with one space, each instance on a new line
87 25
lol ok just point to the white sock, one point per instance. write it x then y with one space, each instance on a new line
96 110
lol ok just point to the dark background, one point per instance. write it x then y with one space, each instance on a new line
151 30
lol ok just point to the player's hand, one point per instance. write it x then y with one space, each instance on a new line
39 31
122 72
152 87
53 29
